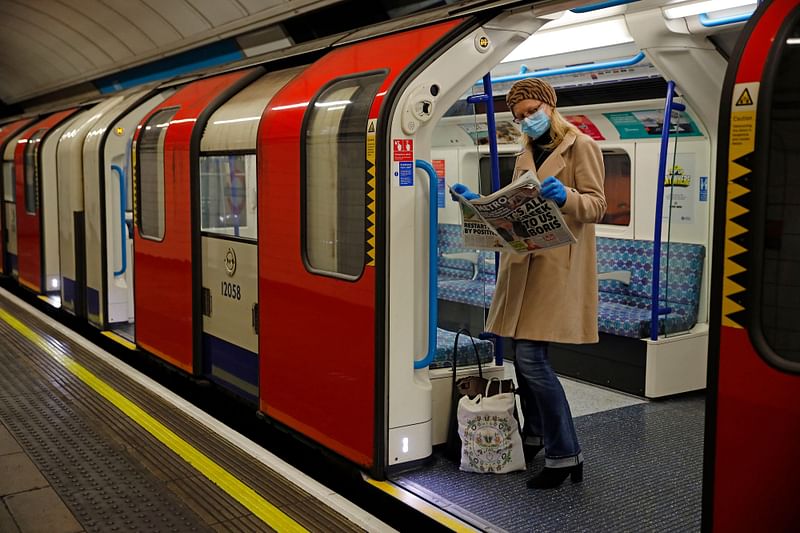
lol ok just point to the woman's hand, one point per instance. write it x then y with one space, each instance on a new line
553 189
463 190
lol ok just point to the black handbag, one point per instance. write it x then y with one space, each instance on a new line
469 386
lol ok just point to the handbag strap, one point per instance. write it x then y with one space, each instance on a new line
455 353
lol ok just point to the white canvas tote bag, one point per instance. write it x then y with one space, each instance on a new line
490 439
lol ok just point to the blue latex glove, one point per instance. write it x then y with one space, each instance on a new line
464 191
553 189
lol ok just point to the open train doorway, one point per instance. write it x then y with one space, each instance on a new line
653 113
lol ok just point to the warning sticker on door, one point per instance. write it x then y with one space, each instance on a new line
403 149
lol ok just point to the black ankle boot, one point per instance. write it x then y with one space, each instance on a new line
530 451
550 478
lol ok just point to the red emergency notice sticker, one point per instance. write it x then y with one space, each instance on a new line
403 149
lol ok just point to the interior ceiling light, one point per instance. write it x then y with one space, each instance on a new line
708 6
571 39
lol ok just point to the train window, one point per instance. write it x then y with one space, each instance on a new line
228 195
617 187
507 163
335 177
32 173
150 174
780 284
9 183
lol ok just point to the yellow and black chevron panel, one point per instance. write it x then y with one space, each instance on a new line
370 235
738 223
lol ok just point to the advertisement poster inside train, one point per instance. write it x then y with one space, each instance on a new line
648 124
585 124
507 132
680 190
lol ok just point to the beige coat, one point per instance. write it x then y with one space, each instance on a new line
552 295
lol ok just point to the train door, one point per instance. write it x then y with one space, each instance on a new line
10 208
229 237
31 215
753 413
7 133
166 247
108 214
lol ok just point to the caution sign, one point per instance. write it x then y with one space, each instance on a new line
744 98
371 130
740 166
743 119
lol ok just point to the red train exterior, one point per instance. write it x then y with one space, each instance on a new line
29 223
6 134
164 286
753 412
314 321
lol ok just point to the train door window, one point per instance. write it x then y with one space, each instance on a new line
617 187
335 177
507 164
150 175
32 173
780 283
228 195
9 182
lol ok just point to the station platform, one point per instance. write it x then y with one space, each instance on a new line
88 444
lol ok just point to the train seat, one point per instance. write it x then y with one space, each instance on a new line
624 308
465 276
465 356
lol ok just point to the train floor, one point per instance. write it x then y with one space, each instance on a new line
87 444
643 463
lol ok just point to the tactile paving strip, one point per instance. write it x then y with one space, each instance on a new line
105 490
166 474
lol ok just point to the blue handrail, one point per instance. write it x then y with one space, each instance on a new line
525 73
655 311
708 22
433 268
122 204
601 5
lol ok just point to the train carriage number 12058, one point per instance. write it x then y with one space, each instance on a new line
231 290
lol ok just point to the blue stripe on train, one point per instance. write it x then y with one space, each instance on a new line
231 366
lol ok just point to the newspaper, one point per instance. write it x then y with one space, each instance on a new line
514 219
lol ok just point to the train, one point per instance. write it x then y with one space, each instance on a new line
281 226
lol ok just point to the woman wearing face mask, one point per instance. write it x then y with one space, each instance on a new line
551 296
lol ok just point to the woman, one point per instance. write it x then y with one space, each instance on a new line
551 296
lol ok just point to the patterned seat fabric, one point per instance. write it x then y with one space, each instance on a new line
625 309
465 355
461 280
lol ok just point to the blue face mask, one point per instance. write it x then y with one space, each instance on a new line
536 125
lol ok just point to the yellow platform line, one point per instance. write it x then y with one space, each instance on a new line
119 339
428 509
249 498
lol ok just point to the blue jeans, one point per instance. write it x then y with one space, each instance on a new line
548 419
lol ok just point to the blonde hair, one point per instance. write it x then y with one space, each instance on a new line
559 127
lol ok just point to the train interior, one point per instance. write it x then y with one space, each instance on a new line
612 83
613 69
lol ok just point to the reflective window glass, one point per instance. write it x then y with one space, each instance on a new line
336 176
150 174
780 283
9 182
228 197
617 187
32 172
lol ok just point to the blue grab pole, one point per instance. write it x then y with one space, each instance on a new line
662 171
122 206
433 268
